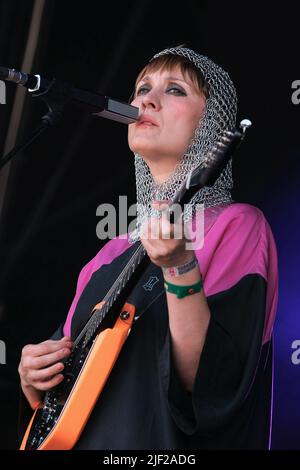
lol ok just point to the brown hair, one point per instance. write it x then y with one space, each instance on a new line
167 62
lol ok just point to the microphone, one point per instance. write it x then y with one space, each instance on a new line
99 105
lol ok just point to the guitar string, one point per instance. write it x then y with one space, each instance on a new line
107 298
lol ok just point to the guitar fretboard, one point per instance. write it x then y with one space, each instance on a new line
91 327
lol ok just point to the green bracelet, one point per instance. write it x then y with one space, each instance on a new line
183 291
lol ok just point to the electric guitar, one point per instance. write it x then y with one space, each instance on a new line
58 422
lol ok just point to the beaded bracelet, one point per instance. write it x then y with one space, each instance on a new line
183 291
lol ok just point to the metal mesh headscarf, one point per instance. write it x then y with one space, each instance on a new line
219 115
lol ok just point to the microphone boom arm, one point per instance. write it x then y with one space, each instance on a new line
60 92
56 94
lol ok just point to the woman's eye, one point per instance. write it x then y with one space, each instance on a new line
142 90
176 91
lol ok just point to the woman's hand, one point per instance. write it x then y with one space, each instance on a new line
165 243
41 368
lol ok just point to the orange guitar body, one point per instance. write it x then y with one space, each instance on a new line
88 386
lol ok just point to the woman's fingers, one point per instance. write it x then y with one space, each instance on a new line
42 375
40 366
45 347
165 242
33 362
47 385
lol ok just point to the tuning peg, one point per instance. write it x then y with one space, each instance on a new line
244 124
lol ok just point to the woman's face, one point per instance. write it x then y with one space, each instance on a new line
170 109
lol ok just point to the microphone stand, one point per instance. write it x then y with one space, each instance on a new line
48 120
55 103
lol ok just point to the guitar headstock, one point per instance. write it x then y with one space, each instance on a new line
216 160
211 167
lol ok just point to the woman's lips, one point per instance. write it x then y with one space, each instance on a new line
146 121
146 124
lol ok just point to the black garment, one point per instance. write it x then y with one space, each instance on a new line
144 405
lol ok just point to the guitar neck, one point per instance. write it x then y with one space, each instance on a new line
119 291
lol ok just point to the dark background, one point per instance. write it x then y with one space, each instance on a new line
48 219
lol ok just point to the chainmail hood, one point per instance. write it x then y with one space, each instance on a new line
219 115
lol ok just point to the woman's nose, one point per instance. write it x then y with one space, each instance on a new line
151 100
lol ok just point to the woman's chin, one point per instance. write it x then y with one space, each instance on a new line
148 153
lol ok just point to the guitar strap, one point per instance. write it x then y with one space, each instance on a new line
147 290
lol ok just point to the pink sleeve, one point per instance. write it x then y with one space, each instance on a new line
240 243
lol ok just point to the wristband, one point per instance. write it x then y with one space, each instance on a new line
183 291
178 270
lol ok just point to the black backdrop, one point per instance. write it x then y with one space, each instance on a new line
48 219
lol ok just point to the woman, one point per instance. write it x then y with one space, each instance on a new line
196 370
